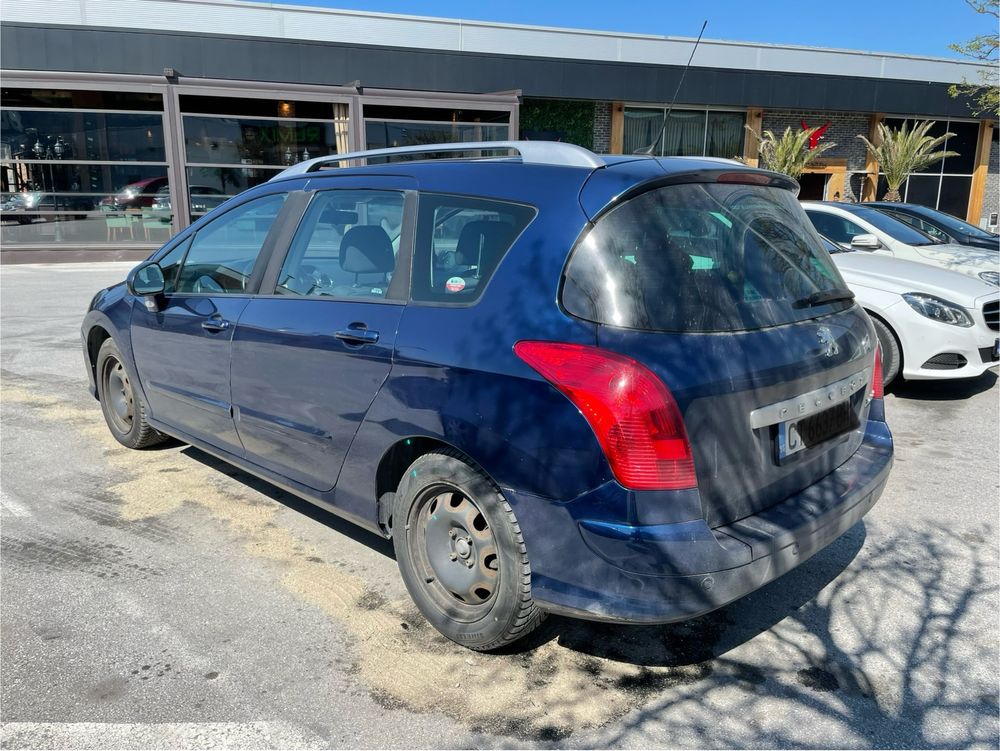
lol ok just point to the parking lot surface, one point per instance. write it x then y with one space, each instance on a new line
162 598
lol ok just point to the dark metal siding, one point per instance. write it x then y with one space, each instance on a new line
99 50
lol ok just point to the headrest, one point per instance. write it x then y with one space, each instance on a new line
366 250
480 242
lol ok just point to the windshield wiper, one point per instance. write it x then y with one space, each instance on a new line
824 296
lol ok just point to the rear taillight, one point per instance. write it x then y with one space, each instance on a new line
631 411
878 388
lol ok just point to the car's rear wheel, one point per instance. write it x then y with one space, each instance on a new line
892 358
122 404
461 554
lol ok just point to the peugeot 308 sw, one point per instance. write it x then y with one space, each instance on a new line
618 388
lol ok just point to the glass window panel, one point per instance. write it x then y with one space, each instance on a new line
882 187
255 107
226 140
939 128
101 136
395 112
211 186
922 189
684 134
224 252
75 228
641 127
955 195
82 99
460 243
346 246
381 134
964 142
725 134
82 187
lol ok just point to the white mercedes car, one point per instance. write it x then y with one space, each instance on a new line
860 227
931 323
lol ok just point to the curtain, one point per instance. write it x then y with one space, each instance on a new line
725 134
684 134
641 127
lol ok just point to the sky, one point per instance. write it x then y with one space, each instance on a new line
913 27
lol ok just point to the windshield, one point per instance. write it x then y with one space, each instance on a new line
894 228
702 257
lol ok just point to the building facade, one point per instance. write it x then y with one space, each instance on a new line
124 121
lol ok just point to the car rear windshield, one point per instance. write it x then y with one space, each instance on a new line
701 257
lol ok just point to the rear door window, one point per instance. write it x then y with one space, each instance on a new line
701 257
460 243
346 246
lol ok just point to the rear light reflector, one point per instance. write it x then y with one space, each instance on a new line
744 178
632 413
878 388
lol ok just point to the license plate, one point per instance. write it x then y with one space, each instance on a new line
996 350
798 435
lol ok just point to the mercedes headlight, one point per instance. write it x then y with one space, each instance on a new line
937 309
990 277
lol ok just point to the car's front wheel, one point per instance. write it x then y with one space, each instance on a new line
122 404
461 554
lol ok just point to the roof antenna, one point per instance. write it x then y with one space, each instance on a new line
648 150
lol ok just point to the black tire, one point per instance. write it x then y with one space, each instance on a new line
892 358
122 404
461 553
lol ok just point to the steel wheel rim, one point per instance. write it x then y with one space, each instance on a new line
118 395
454 552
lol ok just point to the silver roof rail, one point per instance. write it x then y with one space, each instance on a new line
532 152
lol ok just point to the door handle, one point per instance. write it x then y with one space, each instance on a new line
215 325
357 336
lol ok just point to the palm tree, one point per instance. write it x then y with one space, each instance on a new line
902 151
789 153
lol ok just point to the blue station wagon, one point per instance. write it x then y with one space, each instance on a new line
629 389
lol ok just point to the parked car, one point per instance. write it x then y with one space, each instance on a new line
931 323
625 389
204 198
861 227
135 195
939 225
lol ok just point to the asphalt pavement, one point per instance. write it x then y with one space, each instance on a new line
164 599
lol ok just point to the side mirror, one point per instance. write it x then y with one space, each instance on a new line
865 242
147 282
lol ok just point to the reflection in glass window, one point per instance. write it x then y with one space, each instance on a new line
212 186
380 134
946 184
229 140
60 135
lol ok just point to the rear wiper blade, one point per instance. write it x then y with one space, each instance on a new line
825 296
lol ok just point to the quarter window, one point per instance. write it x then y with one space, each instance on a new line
223 253
346 246
460 243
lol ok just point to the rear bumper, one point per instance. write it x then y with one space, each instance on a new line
671 572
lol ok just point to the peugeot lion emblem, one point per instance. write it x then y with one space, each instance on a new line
827 340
